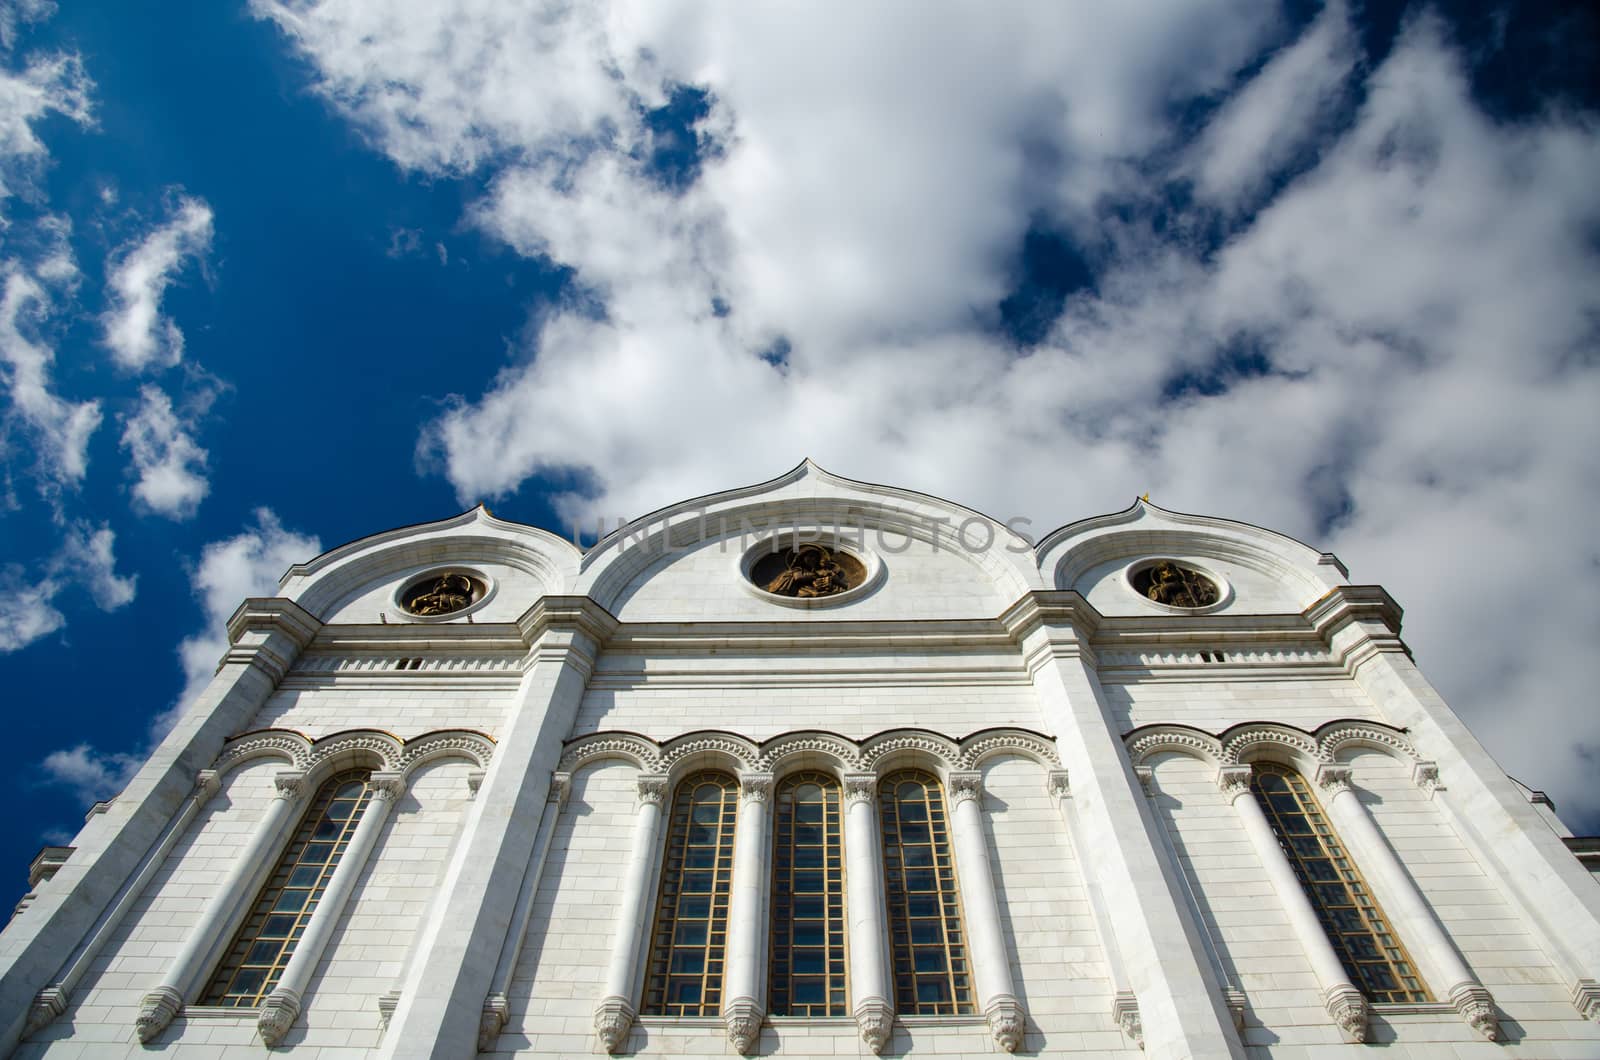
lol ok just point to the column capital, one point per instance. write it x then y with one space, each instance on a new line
653 788
291 783
755 787
743 1016
1425 775
860 787
1334 779
388 786
613 1018
1234 781
496 1011
1058 784
1349 1011
1125 1014
207 783
963 785
875 1020
1007 1021
1474 1004
1147 779
277 1014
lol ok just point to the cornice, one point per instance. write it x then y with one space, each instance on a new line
1353 603
274 614
1056 607
573 614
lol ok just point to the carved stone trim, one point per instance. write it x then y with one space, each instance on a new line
291 784
446 743
560 788
380 745
1235 1000
1125 1014
1242 739
875 1020
284 743
1234 781
47 1005
388 786
1335 736
838 753
1348 1010
156 1011
1144 742
276 1015
207 782
475 782
1475 1005
613 1018
636 749
743 1018
496 1011
1147 779
387 1003
935 747
1058 784
979 746
860 787
964 785
755 787
1586 998
677 750
1425 775
653 789
1333 779
1007 1021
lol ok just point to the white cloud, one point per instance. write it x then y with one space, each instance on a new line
1421 298
138 274
86 559
47 84
92 775
170 465
247 564
58 429
14 13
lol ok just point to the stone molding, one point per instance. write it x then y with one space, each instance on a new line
1348 1010
875 1020
1125 1014
613 1018
1251 740
1006 1021
809 748
388 753
277 1014
743 1016
1474 1004
156 1010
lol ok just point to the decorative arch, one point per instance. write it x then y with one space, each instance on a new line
985 744
913 748
708 750
823 751
370 748
1335 737
641 751
1239 744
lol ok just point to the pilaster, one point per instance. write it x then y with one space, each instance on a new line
441 1004
1179 1000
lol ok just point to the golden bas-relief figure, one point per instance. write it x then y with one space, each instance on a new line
451 593
810 570
1178 586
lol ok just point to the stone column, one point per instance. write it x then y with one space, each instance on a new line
991 964
1345 1003
615 1014
1405 904
743 1005
452 968
219 916
52 1000
282 1006
265 637
870 993
1178 998
1553 892
497 1007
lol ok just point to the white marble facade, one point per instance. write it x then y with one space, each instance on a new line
1120 888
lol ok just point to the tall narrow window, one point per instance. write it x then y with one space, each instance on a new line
808 914
690 938
251 966
1361 935
931 976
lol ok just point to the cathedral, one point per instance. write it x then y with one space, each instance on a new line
814 767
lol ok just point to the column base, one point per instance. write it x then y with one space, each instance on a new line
496 1010
743 1018
875 1019
1125 1014
277 1015
1586 998
1007 1021
156 1011
613 1018
1349 1011
47 1005
1474 1004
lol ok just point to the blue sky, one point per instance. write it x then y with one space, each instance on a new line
282 273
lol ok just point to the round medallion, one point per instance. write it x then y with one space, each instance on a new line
807 571
1172 584
441 593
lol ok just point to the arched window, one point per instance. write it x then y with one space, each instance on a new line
690 938
931 976
266 940
808 902
1360 933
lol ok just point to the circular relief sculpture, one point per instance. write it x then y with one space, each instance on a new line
441 593
808 571
1171 583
